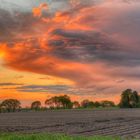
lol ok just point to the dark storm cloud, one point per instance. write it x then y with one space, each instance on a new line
90 46
78 46
13 25
75 45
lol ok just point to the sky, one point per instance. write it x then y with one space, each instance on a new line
87 49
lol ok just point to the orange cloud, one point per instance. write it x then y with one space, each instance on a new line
43 63
37 11
3 48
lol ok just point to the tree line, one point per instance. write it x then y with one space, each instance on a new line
129 99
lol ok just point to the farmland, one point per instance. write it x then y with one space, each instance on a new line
119 122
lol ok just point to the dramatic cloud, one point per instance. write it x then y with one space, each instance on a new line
37 11
49 88
93 43
10 84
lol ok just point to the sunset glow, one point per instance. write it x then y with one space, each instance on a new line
2 54
82 48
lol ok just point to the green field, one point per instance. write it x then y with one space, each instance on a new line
52 137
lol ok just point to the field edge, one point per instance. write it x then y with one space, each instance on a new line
50 136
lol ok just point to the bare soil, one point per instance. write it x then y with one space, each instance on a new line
123 122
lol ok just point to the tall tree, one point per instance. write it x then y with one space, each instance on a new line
107 104
11 105
76 104
50 103
129 99
87 104
63 101
36 105
97 104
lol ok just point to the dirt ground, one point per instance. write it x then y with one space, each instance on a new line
125 122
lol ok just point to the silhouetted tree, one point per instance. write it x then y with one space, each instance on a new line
50 103
107 104
10 105
97 104
76 104
54 102
87 104
63 101
129 99
36 105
